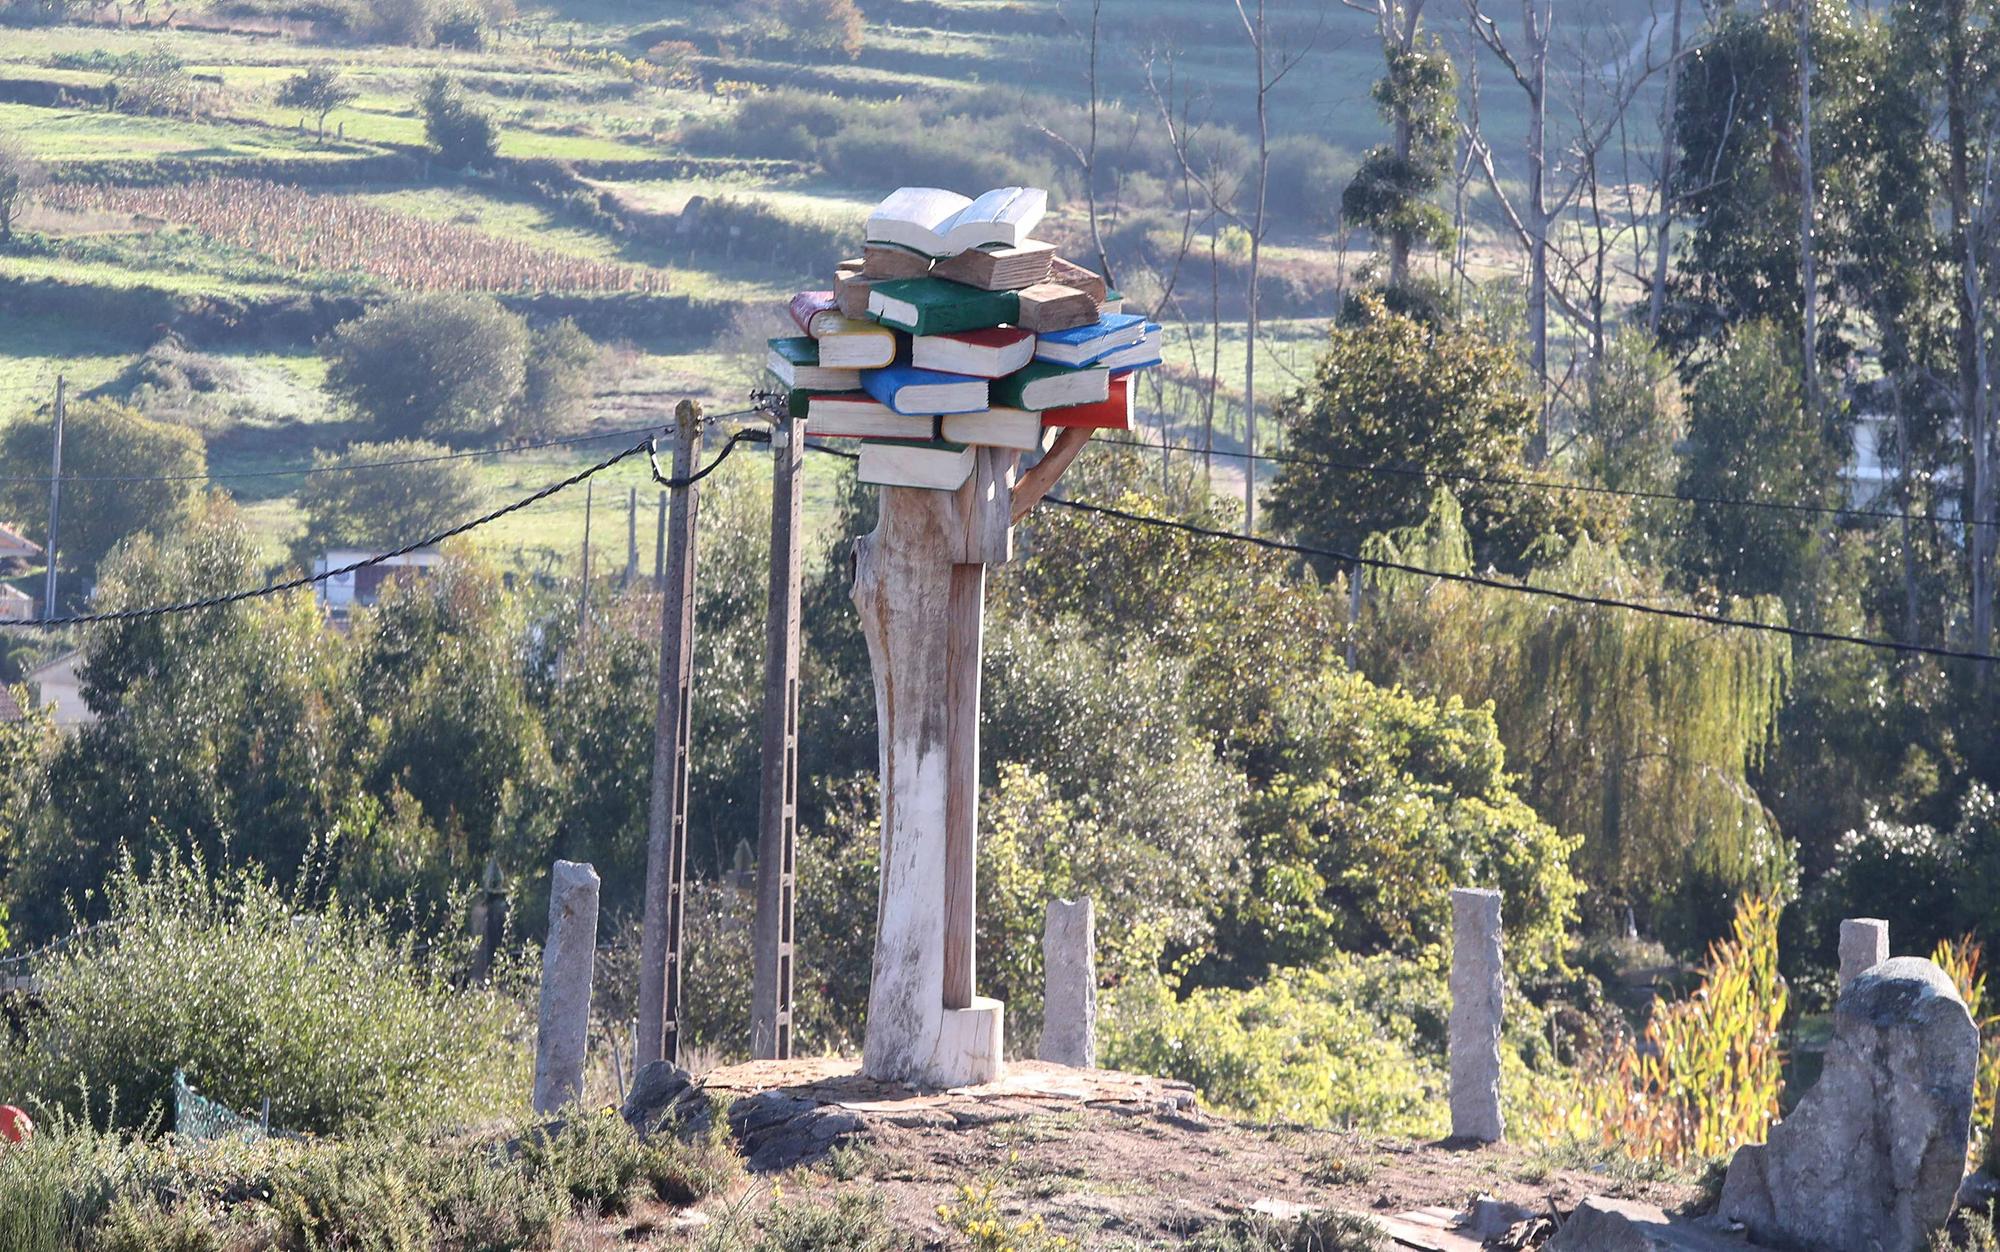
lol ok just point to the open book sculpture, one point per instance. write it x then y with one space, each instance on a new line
947 451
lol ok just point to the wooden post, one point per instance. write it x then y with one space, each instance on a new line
778 795
918 583
583 579
666 818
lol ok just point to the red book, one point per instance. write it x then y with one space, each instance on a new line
809 306
1114 412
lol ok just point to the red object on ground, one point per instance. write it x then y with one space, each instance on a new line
15 1125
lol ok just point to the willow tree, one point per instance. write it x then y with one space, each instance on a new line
1635 731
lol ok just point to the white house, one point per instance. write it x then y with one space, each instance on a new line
55 686
344 592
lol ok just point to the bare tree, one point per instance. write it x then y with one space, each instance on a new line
1551 191
1085 153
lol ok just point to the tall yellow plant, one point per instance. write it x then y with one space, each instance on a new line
1706 1073
1964 961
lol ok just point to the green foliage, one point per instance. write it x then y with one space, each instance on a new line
855 1221
825 27
388 507
324 1011
102 441
430 365
1387 803
1344 1044
1331 1230
1390 390
558 380
1636 732
462 135
1750 436
601 1166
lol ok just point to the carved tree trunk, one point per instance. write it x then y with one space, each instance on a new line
919 583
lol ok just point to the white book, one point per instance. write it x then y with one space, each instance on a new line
939 467
995 428
1139 355
857 415
991 353
805 376
940 223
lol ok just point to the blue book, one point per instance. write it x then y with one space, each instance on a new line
1084 345
909 390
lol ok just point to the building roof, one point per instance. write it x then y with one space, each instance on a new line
14 544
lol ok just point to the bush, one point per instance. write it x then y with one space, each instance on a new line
428 365
1356 1043
463 136
557 383
785 125
340 1025
602 1166
1307 174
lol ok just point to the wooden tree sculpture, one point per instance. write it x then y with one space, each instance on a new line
920 584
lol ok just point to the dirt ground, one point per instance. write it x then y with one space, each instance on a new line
1115 1160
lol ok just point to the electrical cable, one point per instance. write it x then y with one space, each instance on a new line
1498 584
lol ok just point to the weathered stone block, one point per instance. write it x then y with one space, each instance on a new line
1870 1160
567 961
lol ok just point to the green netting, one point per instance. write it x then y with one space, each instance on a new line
198 1117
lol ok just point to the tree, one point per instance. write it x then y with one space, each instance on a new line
386 507
558 379
1749 435
19 174
430 365
1390 193
119 477
1392 391
462 135
1637 732
318 90
834 26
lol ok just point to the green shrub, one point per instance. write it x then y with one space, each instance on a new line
57 1186
462 135
1327 1231
430 365
340 1025
394 1194
776 125
856 1221
596 1160
153 1225
1355 1044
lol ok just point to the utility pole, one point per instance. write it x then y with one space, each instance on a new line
660 548
55 505
778 796
666 816
631 536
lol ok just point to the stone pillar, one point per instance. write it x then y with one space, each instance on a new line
1475 1015
1864 944
1069 1001
566 969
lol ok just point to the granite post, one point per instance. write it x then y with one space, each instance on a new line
567 959
1864 944
1069 1000
1476 986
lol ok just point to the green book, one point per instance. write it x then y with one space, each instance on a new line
1045 385
796 398
935 306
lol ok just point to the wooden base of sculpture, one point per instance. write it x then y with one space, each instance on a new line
919 583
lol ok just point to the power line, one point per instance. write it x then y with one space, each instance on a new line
307 580
1502 480
351 466
1497 584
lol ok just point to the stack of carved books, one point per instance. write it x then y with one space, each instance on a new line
955 329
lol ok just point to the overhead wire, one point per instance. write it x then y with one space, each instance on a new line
1498 584
647 445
